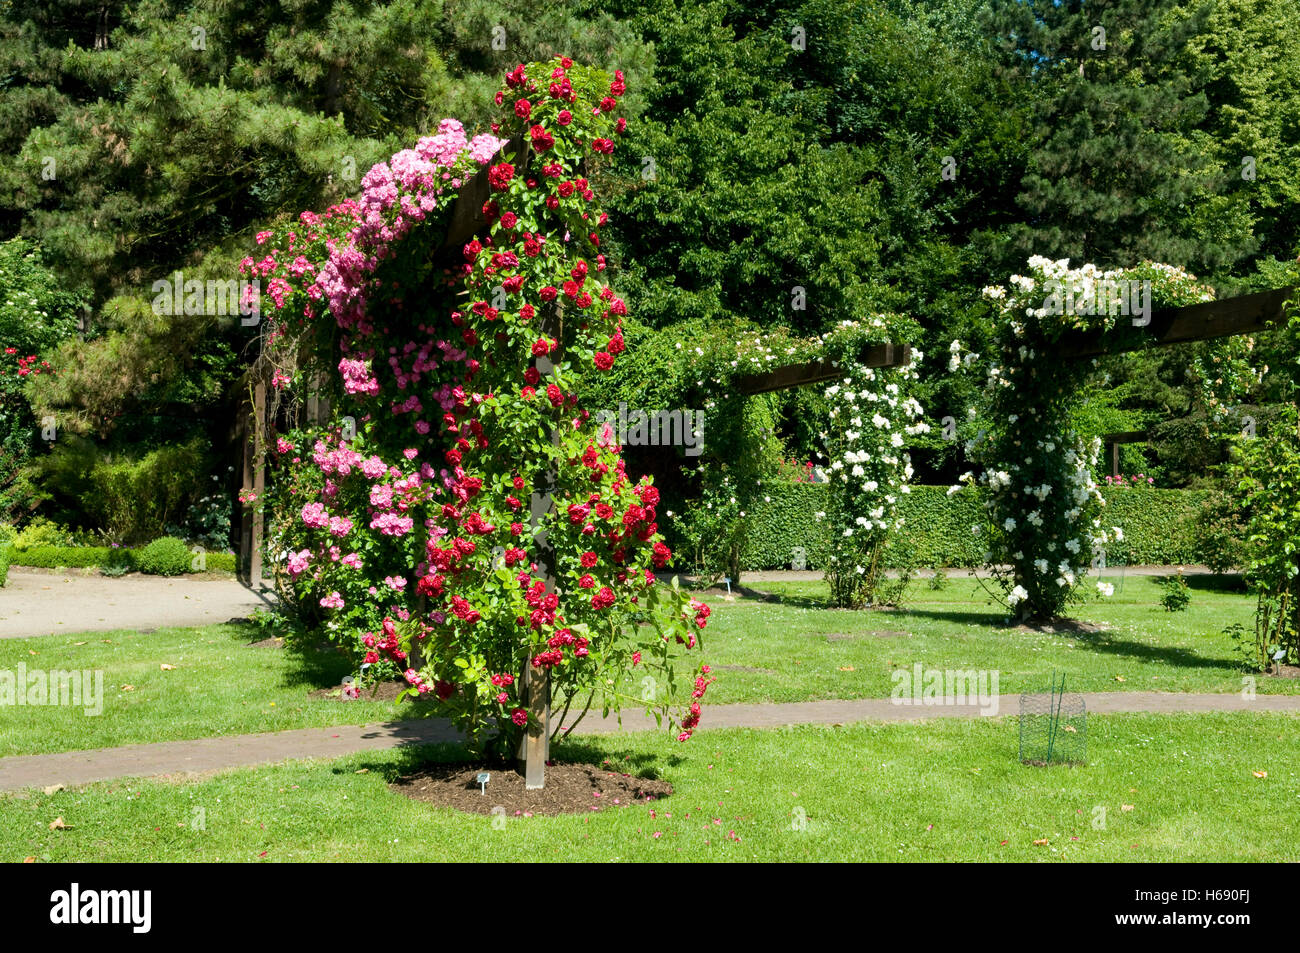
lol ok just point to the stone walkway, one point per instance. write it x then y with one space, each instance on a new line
45 603
214 754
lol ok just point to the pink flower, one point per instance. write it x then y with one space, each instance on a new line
519 717
332 601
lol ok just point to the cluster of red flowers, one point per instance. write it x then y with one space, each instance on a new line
474 468
27 366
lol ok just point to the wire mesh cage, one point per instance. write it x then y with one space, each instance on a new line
1053 727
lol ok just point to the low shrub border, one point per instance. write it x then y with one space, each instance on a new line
93 557
1158 525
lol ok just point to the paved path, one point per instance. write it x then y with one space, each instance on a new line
212 754
43 603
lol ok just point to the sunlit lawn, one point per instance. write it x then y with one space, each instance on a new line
1156 788
760 651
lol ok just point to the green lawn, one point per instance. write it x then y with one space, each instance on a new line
220 685
936 791
1145 648
760 650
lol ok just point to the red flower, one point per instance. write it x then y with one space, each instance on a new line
588 560
603 146
499 176
508 219
519 717
523 108
542 140
604 361
603 599
565 117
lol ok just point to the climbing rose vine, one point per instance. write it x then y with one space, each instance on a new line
1043 523
871 416
459 472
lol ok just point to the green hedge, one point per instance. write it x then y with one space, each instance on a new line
5 550
1159 526
86 557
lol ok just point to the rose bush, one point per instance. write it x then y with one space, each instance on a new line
1043 525
462 519
872 413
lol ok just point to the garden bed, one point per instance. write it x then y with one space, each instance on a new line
570 789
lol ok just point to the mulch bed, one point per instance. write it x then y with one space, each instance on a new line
383 692
1287 671
271 643
570 789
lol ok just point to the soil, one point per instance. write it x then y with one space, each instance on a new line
1287 671
271 643
570 789
383 692
745 668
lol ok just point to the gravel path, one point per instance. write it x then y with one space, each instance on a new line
213 754
46 603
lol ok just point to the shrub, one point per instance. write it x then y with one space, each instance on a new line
1219 531
130 499
167 556
5 549
1177 595
60 557
42 532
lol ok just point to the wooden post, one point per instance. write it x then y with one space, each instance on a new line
259 483
246 487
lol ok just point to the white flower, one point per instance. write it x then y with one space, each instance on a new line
1119 534
1106 589
1017 595
1009 524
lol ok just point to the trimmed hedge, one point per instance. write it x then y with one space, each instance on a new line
87 557
5 550
1159 526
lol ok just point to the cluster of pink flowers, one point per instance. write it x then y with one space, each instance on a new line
436 507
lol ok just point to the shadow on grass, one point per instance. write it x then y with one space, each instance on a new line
416 754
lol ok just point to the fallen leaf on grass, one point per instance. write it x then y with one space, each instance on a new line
128 688
1126 807
58 825
53 789
29 860
1041 843
361 771
1120 678
78 643
847 668
1260 774
165 667
1069 728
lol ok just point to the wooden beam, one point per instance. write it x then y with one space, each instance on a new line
818 372
1127 436
1245 314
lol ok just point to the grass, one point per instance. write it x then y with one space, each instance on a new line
779 650
220 685
947 790
760 651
